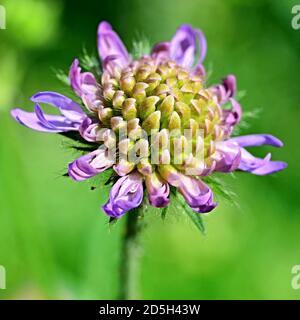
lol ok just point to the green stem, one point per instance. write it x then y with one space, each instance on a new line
129 264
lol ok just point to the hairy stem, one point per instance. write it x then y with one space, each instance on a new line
129 264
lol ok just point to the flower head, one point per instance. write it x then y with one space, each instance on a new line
154 121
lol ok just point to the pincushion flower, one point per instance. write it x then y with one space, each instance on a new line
158 94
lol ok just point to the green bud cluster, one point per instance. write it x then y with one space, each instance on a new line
157 96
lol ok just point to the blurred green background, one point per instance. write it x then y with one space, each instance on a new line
54 240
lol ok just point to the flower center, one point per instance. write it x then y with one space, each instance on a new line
165 99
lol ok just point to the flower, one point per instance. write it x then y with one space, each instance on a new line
162 94
126 194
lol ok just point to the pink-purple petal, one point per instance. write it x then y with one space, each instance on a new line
161 51
254 140
197 194
90 165
231 117
126 194
183 46
227 156
186 45
89 129
225 90
158 190
269 168
259 166
42 122
67 106
110 44
84 84
202 45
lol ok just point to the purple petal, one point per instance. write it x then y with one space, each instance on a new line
53 122
41 122
158 190
90 165
183 46
259 166
270 167
230 85
202 46
67 106
254 140
227 156
226 90
112 65
89 130
161 51
85 85
231 117
200 71
123 167
197 194
109 44
126 194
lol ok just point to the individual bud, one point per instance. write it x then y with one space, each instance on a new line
178 95
183 110
162 89
127 83
208 127
199 145
153 81
143 73
205 94
163 138
159 141
117 123
134 129
109 139
123 167
105 77
129 110
133 124
163 71
189 160
193 125
118 99
174 121
211 113
182 75
139 92
197 106
108 92
187 88
125 145
171 82
147 106
197 86
144 167
195 77
152 122
194 166
179 147
142 148
167 107
165 157
170 174
105 115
